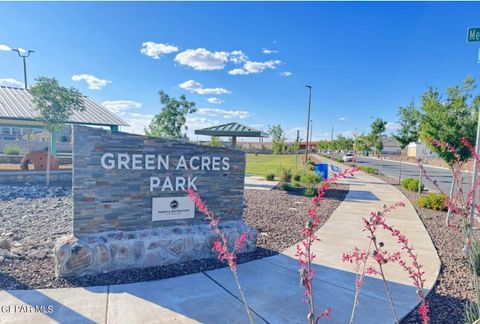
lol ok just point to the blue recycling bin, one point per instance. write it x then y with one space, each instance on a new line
322 168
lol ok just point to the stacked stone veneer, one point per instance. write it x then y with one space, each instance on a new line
112 209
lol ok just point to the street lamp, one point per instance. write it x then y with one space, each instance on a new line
308 120
23 54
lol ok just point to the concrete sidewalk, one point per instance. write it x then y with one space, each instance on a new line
271 284
259 183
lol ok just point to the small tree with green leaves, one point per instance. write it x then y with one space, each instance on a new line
378 127
215 141
170 121
448 120
54 104
408 131
278 138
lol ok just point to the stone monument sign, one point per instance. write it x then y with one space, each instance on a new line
130 208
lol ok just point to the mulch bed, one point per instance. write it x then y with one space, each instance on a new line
277 215
454 285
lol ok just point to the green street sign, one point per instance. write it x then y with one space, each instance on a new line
473 34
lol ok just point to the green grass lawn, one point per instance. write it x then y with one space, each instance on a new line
262 164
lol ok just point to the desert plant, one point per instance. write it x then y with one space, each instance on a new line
286 186
296 183
310 179
310 192
411 184
369 169
285 175
432 200
379 256
11 149
270 177
472 313
297 177
221 244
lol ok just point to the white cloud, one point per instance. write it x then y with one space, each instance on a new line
93 82
202 59
392 126
200 122
342 118
238 57
238 72
291 134
251 67
196 87
156 50
137 122
116 106
285 73
9 82
225 113
215 101
268 51
4 47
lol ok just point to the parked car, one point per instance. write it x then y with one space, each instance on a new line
348 157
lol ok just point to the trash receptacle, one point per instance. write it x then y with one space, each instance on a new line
322 168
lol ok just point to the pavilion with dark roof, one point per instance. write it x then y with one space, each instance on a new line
232 130
17 110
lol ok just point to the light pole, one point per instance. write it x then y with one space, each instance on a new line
23 54
308 120
475 170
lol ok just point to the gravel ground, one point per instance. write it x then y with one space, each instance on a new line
34 217
453 288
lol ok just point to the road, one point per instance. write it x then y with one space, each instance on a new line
391 168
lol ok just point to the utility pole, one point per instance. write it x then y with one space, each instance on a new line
311 132
331 136
23 54
297 144
308 120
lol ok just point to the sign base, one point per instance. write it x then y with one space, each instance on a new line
109 251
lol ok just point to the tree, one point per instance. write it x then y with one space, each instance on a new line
448 121
215 141
169 122
54 104
363 143
378 128
278 138
344 143
408 131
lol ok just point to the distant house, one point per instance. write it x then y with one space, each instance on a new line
418 150
391 146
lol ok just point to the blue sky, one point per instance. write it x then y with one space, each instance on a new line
363 60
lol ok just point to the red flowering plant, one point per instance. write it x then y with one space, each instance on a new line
304 248
466 208
221 244
379 256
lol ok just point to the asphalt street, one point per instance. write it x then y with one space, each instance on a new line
442 176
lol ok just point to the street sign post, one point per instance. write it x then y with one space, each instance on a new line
473 34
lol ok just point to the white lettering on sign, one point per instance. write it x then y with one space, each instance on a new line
162 162
171 208
178 184
126 161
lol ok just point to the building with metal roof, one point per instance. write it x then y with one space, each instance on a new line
18 111
232 130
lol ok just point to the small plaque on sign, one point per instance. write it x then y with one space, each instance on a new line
172 208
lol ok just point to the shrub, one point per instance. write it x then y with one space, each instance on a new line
12 149
286 186
310 179
270 177
411 184
311 167
310 192
368 169
296 183
285 175
432 201
297 177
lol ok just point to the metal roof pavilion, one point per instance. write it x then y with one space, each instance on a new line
233 130
17 109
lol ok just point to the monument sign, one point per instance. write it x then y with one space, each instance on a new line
130 208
